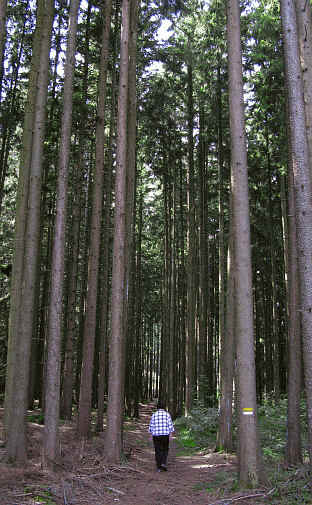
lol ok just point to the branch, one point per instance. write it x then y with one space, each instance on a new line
226 501
114 490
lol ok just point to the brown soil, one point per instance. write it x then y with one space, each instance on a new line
84 478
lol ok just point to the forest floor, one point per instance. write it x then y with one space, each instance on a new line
85 478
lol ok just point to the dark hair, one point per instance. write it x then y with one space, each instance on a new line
161 404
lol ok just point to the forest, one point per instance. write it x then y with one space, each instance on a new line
156 220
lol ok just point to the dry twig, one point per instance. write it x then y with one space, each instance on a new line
226 501
114 490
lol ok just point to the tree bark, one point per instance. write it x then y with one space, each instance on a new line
249 460
115 409
302 189
203 267
106 267
27 244
227 356
191 291
85 399
53 364
293 448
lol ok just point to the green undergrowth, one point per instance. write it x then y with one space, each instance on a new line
41 496
198 430
285 486
272 419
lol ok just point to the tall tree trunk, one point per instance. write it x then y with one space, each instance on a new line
221 217
53 364
71 312
85 400
106 267
115 409
191 246
131 185
138 313
274 334
26 253
76 240
293 448
302 189
203 266
249 460
227 356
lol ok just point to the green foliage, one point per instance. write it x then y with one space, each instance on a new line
286 486
42 496
273 428
199 428
37 418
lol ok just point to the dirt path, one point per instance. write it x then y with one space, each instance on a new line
186 481
85 478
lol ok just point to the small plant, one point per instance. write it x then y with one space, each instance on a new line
43 496
36 418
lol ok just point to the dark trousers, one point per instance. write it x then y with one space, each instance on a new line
161 444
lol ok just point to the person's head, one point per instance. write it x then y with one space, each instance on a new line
161 405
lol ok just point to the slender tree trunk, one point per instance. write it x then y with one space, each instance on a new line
293 449
71 313
138 313
227 356
106 267
302 189
27 247
131 187
53 365
85 167
85 400
115 409
21 211
191 293
274 334
221 219
249 460
203 265
76 241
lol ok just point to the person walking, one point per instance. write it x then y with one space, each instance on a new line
160 427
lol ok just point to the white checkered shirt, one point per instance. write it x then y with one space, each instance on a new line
161 423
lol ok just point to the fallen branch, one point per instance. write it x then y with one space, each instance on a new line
245 497
114 490
22 495
91 476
